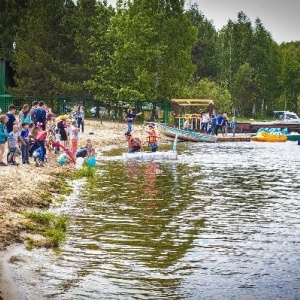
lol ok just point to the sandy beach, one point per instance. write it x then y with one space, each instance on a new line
24 187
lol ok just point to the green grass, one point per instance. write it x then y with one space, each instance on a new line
49 225
86 171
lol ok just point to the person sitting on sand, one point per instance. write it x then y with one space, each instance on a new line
134 143
87 151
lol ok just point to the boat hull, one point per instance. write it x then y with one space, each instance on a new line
252 127
149 156
293 137
186 135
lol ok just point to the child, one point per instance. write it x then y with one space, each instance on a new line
40 135
3 137
89 146
33 144
233 126
57 139
62 125
25 142
87 151
152 138
74 138
13 146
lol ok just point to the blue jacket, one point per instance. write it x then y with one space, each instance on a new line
40 115
3 133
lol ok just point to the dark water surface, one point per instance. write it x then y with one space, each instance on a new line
222 222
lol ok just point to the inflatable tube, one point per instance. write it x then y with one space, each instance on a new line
91 161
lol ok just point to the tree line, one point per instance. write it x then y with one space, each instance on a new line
148 50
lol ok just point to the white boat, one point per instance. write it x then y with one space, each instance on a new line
148 156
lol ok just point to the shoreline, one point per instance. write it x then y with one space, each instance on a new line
27 187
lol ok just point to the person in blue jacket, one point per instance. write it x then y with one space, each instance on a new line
3 137
219 123
130 116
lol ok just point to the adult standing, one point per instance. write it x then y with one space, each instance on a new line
130 116
80 117
3 137
11 118
41 115
33 111
205 119
219 123
213 120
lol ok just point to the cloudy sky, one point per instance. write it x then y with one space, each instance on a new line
280 17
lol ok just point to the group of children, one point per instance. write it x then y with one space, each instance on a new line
39 140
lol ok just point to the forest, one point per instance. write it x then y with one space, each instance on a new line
147 50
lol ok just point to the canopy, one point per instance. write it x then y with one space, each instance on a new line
193 102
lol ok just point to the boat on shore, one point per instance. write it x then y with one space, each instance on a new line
185 135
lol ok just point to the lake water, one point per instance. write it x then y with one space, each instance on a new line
222 222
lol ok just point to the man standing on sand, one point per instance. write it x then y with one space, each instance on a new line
129 118
41 115
33 111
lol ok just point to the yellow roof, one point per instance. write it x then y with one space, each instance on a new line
193 102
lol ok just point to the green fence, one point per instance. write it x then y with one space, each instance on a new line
59 105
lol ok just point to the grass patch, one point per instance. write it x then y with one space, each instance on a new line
60 199
61 186
85 171
49 225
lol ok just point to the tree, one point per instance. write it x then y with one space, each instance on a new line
207 89
47 61
11 12
245 90
265 60
204 53
150 57
291 75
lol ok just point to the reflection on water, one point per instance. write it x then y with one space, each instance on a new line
221 223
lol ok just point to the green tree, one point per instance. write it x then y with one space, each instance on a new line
204 53
245 90
291 75
11 12
101 82
150 58
47 61
207 89
234 47
265 60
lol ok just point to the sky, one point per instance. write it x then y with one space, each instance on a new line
279 17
